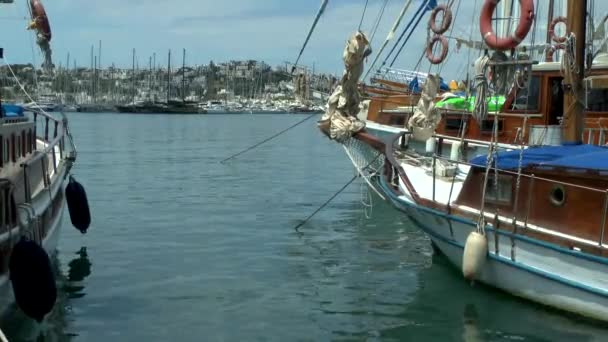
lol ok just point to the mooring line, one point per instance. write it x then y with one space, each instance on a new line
335 195
326 203
270 138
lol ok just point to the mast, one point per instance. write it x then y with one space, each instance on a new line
150 77
169 77
573 87
184 75
133 79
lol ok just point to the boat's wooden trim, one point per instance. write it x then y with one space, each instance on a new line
393 166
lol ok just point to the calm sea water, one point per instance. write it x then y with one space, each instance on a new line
183 248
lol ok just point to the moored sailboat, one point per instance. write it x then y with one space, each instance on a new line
525 218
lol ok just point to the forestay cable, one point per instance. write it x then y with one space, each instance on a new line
312 28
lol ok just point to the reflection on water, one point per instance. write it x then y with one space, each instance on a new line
56 326
78 269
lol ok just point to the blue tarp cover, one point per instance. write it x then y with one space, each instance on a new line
9 110
568 156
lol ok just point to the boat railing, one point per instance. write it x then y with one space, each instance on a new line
42 156
395 171
590 134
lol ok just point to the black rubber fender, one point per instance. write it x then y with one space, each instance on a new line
78 205
32 278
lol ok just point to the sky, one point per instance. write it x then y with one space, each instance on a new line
219 30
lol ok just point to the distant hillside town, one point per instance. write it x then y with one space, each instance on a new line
112 86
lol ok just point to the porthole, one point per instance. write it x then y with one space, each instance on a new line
558 196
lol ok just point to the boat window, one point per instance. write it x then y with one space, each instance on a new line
501 191
454 124
487 126
528 97
597 100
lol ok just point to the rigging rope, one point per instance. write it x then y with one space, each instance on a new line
270 138
312 28
22 87
377 22
363 15
390 36
419 13
406 39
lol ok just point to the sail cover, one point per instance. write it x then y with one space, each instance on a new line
343 104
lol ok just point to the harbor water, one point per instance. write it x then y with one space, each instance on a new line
184 248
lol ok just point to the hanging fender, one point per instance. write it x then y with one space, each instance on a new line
551 51
554 22
40 21
447 19
444 49
526 19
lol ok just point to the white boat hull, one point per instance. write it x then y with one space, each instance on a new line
552 275
51 200
545 274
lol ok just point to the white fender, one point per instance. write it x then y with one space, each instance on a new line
474 256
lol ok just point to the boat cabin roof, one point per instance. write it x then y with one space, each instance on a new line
564 156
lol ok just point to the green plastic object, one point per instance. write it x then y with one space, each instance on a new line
495 103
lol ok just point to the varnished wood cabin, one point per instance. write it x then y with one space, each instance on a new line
539 107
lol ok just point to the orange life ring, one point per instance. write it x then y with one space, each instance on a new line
40 19
526 19
447 19
554 22
444 49
551 51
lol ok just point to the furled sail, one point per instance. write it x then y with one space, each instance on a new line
343 105
426 116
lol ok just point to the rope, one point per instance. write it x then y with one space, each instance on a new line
419 14
296 228
481 85
326 203
367 195
363 15
270 138
312 28
22 87
450 4
377 21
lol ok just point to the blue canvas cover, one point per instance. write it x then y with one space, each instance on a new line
567 156
10 111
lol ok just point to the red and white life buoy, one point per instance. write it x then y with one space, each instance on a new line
554 37
526 19
444 49
551 51
40 20
447 19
